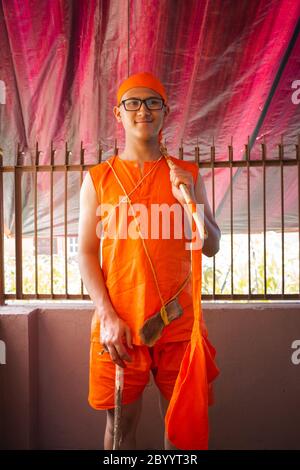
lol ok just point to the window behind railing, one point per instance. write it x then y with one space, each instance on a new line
42 264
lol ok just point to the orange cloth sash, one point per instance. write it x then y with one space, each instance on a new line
186 419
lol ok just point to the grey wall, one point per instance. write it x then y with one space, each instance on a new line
44 383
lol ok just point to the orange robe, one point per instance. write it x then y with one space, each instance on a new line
134 295
126 269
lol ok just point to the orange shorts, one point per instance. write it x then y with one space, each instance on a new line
163 360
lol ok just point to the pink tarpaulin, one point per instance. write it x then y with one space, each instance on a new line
231 69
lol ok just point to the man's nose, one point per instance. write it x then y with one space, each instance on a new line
144 108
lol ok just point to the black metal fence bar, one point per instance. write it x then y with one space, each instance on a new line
67 155
281 156
298 162
248 156
18 224
213 154
81 167
264 156
52 155
2 284
35 173
230 154
82 150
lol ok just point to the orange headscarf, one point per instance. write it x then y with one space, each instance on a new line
146 80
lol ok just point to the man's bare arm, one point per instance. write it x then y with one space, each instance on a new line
211 243
113 328
88 248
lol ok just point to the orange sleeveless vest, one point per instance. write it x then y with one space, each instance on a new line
135 297
125 266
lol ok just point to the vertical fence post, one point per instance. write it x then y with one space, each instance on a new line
2 282
197 153
116 150
298 165
100 150
68 153
82 151
18 223
264 158
35 218
212 162
230 159
181 150
248 156
52 156
281 157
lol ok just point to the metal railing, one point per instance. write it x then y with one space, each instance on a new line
19 169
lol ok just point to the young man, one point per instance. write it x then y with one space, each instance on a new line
139 272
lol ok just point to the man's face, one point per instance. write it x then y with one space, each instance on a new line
143 124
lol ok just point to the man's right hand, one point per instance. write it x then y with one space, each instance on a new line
114 332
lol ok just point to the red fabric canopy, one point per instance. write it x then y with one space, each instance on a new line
228 71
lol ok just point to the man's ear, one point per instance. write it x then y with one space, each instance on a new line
117 113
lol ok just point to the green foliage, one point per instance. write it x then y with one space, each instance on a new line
273 266
222 269
44 275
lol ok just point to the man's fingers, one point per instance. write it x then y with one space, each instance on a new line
178 177
128 338
123 354
115 356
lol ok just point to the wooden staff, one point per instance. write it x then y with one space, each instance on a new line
119 383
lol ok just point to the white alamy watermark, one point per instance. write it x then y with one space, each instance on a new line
296 93
154 221
295 357
2 352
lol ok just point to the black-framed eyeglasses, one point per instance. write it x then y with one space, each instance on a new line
134 104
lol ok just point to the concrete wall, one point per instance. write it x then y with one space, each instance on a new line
44 383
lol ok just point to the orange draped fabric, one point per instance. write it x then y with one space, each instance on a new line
126 270
186 419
